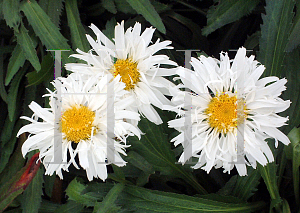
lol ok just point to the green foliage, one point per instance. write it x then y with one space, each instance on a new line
45 29
226 12
53 8
16 61
145 8
155 148
47 67
32 196
242 187
294 147
10 9
152 180
146 200
275 30
77 31
28 47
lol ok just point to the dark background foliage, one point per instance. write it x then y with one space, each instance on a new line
151 181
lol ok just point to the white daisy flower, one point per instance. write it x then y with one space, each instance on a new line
83 122
231 107
132 56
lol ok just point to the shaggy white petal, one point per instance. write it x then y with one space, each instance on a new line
216 146
136 47
81 91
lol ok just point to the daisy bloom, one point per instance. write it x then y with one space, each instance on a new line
131 55
231 107
82 125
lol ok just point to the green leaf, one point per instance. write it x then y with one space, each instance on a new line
7 147
294 40
291 72
3 93
156 149
77 31
226 12
146 9
138 161
75 192
45 29
294 137
247 185
109 200
268 173
70 206
11 13
32 196
49 182
53 8
242 187
274 35
109 31
13 93
145 200
16 61
160 7
109 5
28 47
46 73
48 206
124 7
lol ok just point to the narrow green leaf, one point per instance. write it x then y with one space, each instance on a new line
268 173
28 47
124 7
138 161
3 93
247 185
7 147
160 7
109 200
74 191
146 9
10 9
49 182
45 29
16 61
292 93
78 37
286 207
32 196
70 206
46 73
146 200
294 40
294 137
13 93
109 5
110 28
16 162
226 12
156 149
53 8
274 35
242 187
48 206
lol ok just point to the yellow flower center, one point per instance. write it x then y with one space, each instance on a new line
128 72
225 112
77 123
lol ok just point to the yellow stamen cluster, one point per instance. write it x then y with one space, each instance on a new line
225 112
77 123
128 72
